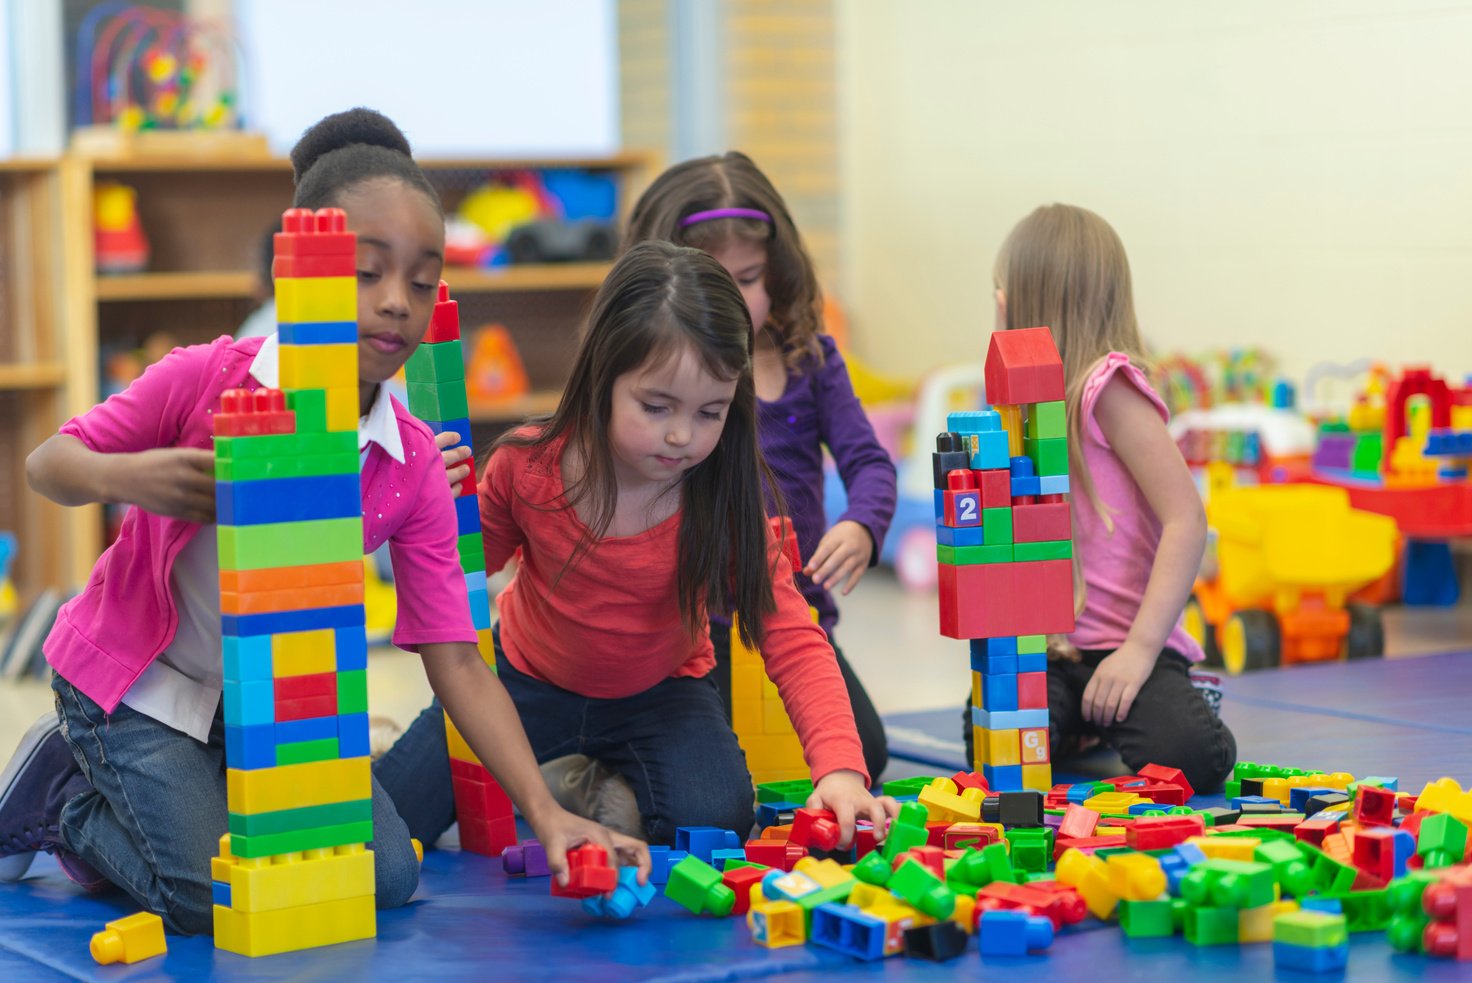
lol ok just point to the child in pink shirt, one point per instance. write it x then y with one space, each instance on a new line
137 655
1139 529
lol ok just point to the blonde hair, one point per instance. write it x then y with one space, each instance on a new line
1064 267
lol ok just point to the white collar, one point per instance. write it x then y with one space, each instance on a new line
380 426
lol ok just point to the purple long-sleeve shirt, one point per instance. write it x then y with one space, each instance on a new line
819 408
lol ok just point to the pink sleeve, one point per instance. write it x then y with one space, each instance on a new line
1113 365
433 607
500 533
802 665
152 411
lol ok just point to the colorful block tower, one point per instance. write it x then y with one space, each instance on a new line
436 374
1003 546
293 870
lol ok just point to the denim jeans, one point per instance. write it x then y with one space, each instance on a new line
156 810
671 742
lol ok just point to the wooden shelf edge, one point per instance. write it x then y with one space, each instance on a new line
515 410
27 165
40 375
623 161
177 286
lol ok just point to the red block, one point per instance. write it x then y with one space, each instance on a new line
1170 776
588 873
306 708
1032 691
970 779
481 800
1374 852
487 837
961 480
1078 821
323 233
990 600
243 413
1058 907
304 687
961 508
1162 832
774 853
932 858
1165 793
740 881
444 323
959 833
1313 831
996 490
1023 366
334 264
864 841
814 828
1041 523
1374 806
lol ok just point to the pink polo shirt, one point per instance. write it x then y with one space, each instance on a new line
126 615
1116 564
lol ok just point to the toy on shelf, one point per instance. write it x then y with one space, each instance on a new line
436 375
1004 550
495 373
1288 560
556 215
121 246
7 583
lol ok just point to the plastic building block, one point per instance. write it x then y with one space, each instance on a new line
245 503
1147 919
1135 876
130 940
1331 959
1023 366
301 300
922 889
294 882
813 828
940 942
775 924
1012 933
441 361
626 898
444 323
702 841
588 873
266 933
244 413
988 600
849 930
741 880
1046 420
1211 926
526 859
290 543
698 887
1230 884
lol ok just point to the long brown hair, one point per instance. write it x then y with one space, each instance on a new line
732 180
658 300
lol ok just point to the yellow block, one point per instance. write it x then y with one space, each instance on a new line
1003 747
264 933
342 406
746 679
944 805
314 783
294 880
976 699
774 717
1445 795
868 896
459 750
964 914
1012 423
1135 876
303 300
128 940
746 716
1256 924
775 924
321 367
1116 802
304 653
1228 847
1039 777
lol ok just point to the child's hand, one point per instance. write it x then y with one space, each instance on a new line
842 556
846 796
177 482
1115 684
457 459
559 831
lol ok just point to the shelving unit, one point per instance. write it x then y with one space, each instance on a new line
206 219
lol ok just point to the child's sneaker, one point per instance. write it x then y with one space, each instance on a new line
1209 685
31 796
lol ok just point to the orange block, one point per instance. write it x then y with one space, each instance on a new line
292 599
283 578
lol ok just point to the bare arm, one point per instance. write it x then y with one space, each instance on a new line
172 481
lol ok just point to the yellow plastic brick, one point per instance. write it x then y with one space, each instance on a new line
295 880
313 783
342 406
1228 847
128 940
264 933
320 367
304 653
302 300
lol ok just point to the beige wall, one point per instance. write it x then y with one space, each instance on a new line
1284 173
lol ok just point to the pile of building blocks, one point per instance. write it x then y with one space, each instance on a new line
758 716
436 374
1004 549
293 870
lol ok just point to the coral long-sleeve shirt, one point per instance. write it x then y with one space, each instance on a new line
610 627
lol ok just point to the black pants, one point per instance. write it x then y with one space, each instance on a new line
1169 724
871 728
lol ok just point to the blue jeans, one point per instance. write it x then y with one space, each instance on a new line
156 810
672 742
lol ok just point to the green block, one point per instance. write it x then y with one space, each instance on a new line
959 556
1329 875
1031 645
921 889
797 790
902 787
276 445
733 864
1442 831
438 400
1059 549
308 817
1049 454
1032 849
1232 788
907 831
1368 451
290 544
696 886
442 361
1365 911
320 838
310 407
1229 884
996 525
303 751
1147 919
1313 929
1290 864
1211 926
472 552
252 469
352 692
873 869
1045 420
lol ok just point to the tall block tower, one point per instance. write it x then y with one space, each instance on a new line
1005 553
436 374
294 871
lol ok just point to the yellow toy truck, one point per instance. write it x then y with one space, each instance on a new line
1288 560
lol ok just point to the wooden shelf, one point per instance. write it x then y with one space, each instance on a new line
27 165
42 375
541 276
202 285
514 410
147 164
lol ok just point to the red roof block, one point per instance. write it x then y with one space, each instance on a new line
1023 366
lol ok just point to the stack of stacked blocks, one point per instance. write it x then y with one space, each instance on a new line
436 374
293 870
1003 546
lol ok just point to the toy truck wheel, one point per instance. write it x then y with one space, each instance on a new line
1196 625
1366 638
1250 640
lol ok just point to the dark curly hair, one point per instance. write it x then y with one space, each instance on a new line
346 149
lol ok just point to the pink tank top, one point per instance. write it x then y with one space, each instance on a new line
1116 565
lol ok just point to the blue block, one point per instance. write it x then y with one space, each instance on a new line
662 860
1081 793
352 735
1191 853
1314 902
966 536
249 503
1140 808
1003 778
1012 933
1008 719
1053 484
1260 800
248 703
1032 662
480 610
252 747
461 427
1026 486
247 658
702 841
1299 795
770 813
1310 960
1389 784
1175 870
475 581
467 514
220 893
999 693
991 451
318 333
993 665
967 422
1404 846
940 505
625 899
351 645
718 858
280 622
848 929
1021 467
311 729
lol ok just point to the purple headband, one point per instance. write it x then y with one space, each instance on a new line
715 213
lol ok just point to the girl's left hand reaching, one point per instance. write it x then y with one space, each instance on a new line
1115 684
842 556
559 831
847 797
457 459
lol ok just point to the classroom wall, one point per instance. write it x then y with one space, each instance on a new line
1284 173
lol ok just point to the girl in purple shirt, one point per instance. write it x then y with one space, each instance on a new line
726 206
